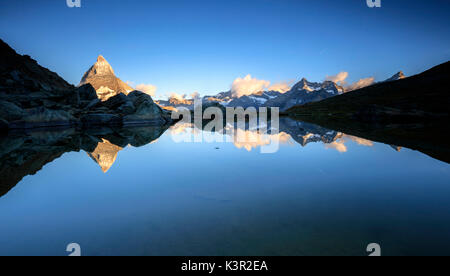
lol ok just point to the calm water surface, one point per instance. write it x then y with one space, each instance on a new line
321 193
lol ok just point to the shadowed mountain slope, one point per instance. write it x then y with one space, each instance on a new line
422 97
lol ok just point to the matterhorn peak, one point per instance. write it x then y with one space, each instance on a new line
100 58
101 67
102 77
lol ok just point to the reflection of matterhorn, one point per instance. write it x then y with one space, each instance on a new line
105 154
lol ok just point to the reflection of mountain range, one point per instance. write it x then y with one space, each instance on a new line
289 131
105 154
304 133
413 137
26 154
22 155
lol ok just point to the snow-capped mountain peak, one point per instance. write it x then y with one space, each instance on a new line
102 77
100 68
305 92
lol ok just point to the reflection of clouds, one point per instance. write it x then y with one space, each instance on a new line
246 139
360 141
185 132
154 141
250 140
340 146
180 128
254 137
183 128
337 145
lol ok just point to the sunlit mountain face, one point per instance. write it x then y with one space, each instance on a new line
105 154
102 77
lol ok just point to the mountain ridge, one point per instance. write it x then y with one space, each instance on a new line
422 95
102 77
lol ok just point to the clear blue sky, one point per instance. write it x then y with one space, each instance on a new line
186 46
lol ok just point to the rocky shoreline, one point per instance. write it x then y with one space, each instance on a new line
22 155
31 96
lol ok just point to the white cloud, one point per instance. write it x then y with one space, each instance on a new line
339 78
360 84
147 89
337 145
281 87
360 141
195 95
248 86
340 146
177 96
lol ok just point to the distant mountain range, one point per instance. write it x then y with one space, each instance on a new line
255 100
102 77
26 154
306 92
301 93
